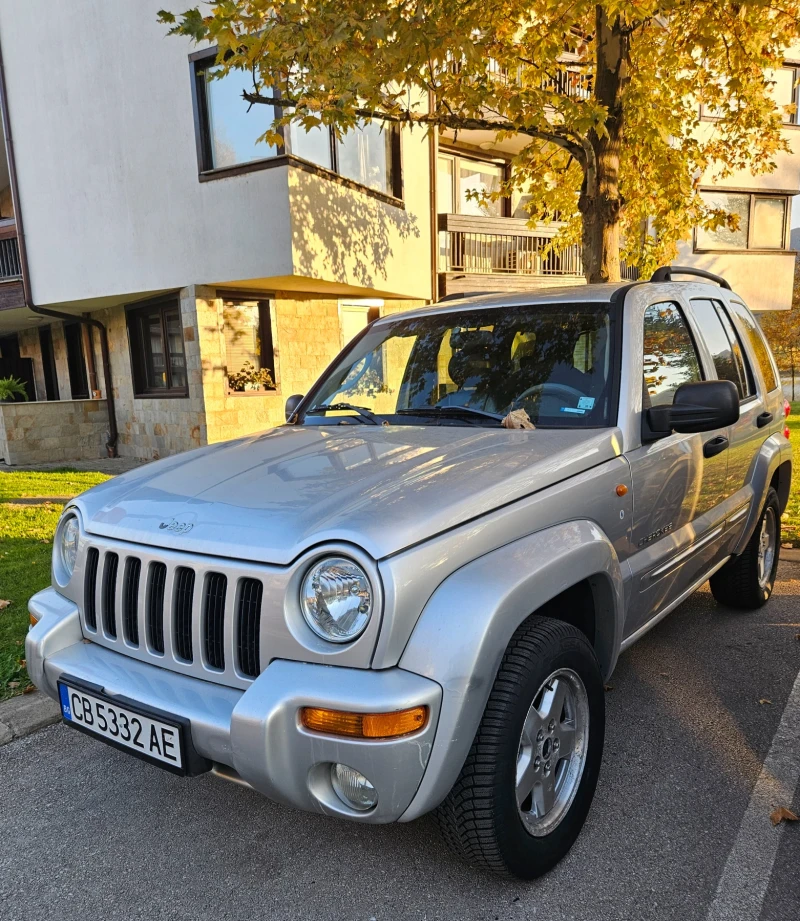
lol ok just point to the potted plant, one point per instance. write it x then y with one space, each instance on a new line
11 388
248 377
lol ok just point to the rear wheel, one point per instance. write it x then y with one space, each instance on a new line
746 582
528 781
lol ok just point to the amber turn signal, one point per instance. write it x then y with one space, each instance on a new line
621 490
32 620
365 725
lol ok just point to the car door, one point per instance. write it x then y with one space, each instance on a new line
761 411
679 481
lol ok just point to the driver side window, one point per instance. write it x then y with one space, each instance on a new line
670 357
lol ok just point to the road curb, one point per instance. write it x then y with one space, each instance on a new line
790 556
23 715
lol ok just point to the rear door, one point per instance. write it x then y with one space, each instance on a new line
677 490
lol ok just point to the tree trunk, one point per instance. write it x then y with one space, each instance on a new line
600 203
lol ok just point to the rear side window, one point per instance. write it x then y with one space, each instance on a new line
723 343
758 344
670 357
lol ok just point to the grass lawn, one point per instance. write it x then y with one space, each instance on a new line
26 535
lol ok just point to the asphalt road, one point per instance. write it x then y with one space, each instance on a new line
678 829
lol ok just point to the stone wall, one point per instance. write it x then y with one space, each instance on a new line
152 428
36 433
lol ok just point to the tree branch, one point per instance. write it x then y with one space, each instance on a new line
563 139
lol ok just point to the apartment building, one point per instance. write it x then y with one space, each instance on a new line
206 276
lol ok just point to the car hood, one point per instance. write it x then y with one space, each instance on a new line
269 497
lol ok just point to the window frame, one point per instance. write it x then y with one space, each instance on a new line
199 62
754 194
267 330
133 314
456 155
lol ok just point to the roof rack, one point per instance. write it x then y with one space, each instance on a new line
666 272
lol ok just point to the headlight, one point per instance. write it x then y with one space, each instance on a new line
66 547
336 599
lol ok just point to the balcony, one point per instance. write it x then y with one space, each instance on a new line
11 293
501 254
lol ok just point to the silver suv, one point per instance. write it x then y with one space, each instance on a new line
408 598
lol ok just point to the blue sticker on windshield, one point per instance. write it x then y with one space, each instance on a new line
569 409
586 403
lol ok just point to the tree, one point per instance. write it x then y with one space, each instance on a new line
607 95
782 329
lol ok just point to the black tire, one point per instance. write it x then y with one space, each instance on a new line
480 819
737 584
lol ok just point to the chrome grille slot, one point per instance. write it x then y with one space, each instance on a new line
214 621
110 566
130 600
155 607
182 612
248 627
90 588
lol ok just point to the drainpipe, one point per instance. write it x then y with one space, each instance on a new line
113 434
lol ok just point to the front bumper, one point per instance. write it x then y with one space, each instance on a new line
256 731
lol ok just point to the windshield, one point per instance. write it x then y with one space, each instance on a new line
472 367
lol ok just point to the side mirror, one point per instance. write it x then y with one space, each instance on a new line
699 407
292 403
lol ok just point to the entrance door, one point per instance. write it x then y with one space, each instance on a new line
48 363
677 490
76 362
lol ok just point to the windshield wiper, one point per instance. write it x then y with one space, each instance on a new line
362 411
466 411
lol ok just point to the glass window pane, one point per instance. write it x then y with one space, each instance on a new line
313 145
241 329
364 156
445 200
758 344
783 90
670 358
723 238
769 219
232 128
743 365
722 344
153 342
177 359
477 177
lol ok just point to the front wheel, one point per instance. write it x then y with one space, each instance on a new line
746 581
527 784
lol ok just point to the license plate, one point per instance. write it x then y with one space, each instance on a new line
130 729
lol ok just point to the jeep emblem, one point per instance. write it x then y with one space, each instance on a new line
177 527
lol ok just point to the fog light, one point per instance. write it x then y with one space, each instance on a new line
353 788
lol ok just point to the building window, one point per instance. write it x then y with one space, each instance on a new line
786 92
229 127
461 178
158 358
76 361
762 222
249 351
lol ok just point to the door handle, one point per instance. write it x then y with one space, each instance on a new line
763 419
715 446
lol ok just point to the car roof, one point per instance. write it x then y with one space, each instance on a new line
561 294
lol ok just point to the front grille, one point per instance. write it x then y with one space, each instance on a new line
249 627
130 600
110 565
155 607
182 616
214 628
90 588
188 613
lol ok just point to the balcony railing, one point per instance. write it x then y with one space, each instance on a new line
10 268
478 245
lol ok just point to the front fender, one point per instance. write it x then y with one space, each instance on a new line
467 624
